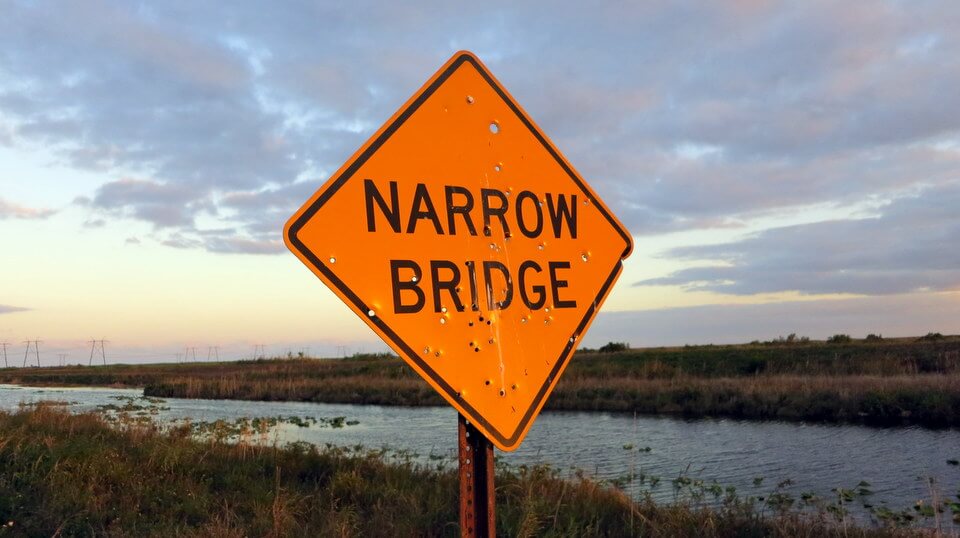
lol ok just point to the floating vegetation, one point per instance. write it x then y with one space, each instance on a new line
244 428
46 402
133 404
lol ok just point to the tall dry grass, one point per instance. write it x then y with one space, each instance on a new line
886 382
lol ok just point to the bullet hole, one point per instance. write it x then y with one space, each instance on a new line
470 99
333 260
371 313
426 351
503 392
495 127
487 382
443 321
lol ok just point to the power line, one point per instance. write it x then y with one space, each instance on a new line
36 347
93 346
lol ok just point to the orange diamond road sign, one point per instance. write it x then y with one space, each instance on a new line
462 236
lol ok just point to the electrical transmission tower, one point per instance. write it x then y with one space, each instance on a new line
63 358
215 351
179 357
36 348
93 348
259 350
188 352
4 346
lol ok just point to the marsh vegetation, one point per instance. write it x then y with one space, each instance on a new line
874 381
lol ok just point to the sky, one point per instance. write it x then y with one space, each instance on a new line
783 167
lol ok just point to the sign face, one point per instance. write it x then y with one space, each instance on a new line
467 242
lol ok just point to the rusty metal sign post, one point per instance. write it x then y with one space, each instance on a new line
461 235
477 492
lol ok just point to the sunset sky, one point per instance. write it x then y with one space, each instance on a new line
782 166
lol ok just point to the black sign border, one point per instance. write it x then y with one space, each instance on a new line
412 355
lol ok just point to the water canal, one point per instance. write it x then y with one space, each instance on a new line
753 457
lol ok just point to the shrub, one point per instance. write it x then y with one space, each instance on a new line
874 337
613 347
839 339
931 337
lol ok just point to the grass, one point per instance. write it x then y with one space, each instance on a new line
877 381
75 475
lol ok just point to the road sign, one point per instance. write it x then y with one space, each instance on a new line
462 237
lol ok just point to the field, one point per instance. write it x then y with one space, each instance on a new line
892 381
78 475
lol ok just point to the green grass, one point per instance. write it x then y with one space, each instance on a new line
75 475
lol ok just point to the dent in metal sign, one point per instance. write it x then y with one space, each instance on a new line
465 240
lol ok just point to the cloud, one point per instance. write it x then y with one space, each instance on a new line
10 210
681 116
162 204
6 309
224 243
909 246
